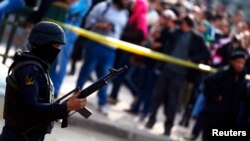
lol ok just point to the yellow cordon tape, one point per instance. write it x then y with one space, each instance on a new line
140 50
132 48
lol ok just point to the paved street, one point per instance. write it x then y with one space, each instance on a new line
75 134
78 134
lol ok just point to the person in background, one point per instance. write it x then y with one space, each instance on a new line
77 11
221 39
38 15
186 45
152 15
194 80
77 54
238 16
135 32
79 47
149 70
216 23
204 27
225 50
198 13
168 21
108 18
225 92
196 114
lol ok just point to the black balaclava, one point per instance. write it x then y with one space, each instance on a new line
47 53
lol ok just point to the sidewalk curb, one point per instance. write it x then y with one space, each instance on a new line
112 129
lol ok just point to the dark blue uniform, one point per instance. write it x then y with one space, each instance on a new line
29 108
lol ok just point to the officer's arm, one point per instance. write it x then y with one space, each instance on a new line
30 81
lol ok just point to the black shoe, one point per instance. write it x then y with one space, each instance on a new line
181 122
150 124
167 130
131 112
186 124
166 133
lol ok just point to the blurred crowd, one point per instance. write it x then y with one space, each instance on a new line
189 30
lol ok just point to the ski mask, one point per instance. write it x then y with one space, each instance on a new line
48 53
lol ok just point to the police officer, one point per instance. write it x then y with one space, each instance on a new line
29 107
227 98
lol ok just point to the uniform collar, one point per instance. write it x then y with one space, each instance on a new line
20 56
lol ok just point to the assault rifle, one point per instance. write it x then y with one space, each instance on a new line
85 112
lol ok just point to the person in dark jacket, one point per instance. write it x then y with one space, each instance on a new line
29 108
226 94
166 35
186 45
